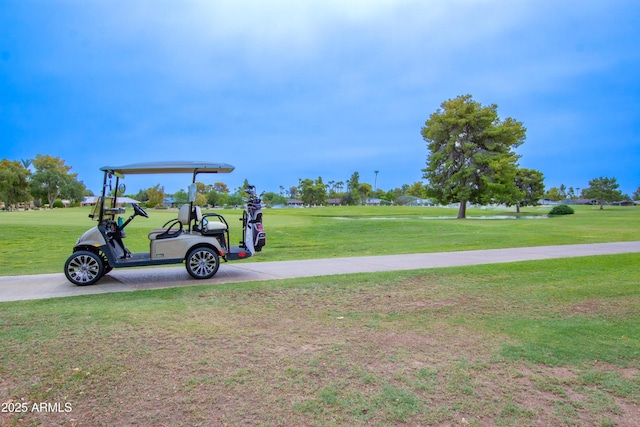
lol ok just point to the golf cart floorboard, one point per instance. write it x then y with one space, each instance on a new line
143 259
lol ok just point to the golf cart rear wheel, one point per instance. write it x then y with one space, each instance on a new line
202 263
84 268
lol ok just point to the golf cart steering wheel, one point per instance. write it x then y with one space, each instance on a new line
139 210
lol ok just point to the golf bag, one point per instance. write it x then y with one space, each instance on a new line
254 236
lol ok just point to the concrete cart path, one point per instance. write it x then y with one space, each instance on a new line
14 288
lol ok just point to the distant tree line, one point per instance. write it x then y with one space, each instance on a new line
349 192
471 159
42 180
46 180
216 194
603 190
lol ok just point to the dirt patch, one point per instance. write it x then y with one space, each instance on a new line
590 306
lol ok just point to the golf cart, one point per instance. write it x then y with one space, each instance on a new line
198 239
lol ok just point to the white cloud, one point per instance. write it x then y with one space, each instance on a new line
285 31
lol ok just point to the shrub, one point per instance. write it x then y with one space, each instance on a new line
561 210
58 204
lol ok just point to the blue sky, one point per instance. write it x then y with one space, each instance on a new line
289 89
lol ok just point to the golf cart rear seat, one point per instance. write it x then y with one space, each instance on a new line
207 227
175 226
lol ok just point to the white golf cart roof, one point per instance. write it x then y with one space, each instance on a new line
169 167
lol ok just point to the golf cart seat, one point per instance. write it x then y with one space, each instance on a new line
208 227
174 227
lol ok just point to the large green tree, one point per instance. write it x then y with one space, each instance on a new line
155 196
604 190
471 157
365 191
530 182
202 188
218 194
416 189
352 196
52 179
270 198
14 183
556 194
180 197
313 192
220 187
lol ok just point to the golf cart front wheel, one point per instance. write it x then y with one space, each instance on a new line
202 263
84 268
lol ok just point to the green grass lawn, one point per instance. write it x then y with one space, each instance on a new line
40 241
533 343
524 344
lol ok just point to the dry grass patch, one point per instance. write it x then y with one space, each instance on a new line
415 348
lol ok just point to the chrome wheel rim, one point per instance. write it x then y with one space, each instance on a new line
83 268
202 263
